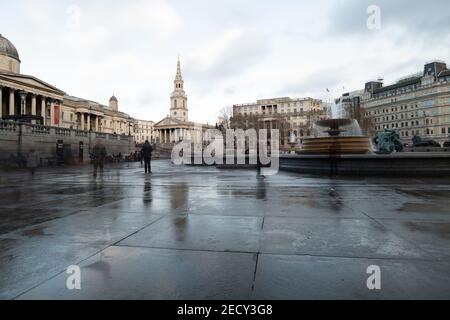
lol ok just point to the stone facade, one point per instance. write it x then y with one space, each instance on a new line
293 117
144 131
17 139
23 96
37 114
417 105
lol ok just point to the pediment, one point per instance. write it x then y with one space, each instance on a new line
29 82
168 122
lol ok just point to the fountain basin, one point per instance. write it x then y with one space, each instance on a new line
336 145
404 164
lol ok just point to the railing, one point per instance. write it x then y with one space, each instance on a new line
38 129
63 132
100 135
8 126
80 133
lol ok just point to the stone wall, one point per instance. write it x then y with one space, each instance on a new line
17 139
407 164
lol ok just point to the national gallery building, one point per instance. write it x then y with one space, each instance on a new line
29 99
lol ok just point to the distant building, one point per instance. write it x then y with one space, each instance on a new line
417 105
349 104
144 131
290 116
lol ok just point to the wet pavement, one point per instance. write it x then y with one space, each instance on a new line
204 233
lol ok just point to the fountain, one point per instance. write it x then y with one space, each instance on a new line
339 148
337 136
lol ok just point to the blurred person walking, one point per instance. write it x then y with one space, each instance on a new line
32 161
98 157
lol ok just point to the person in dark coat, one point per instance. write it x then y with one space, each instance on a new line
147 150
98 157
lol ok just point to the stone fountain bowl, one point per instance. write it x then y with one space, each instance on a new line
337 145
334 124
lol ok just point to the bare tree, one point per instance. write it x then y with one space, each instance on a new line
224 118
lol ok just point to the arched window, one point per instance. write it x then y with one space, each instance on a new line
176 103
184 103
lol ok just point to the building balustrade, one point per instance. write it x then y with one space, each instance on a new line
63 132
100 135
38 129
8 126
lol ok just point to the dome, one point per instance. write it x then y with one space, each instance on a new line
8 49
113 98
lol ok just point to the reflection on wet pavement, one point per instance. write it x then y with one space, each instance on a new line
204 233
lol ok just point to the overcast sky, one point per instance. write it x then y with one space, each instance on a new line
232 51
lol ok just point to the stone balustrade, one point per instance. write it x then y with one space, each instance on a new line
8 126
39 130
16 138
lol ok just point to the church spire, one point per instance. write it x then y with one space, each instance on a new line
179 76
179 108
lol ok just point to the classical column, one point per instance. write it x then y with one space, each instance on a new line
11 102
1 102
96 123
52 113
33 106
43 111
82 121
88 122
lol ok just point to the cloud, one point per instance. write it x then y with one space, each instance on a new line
230 55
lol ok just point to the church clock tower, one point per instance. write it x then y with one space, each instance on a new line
178 100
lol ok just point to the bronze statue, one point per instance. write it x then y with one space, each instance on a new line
388 141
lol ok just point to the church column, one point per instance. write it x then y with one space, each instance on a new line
11 102
33 106
96 123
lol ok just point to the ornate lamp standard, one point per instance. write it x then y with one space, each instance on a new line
23 97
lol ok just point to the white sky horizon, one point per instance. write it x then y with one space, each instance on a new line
231 51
